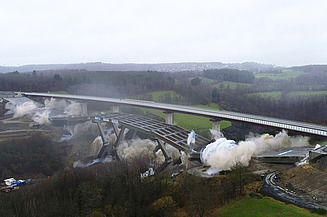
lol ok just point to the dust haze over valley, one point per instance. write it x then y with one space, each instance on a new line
93 158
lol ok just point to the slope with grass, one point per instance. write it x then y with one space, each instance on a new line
271 95
232 85
200 125
251 207
286 74
307 93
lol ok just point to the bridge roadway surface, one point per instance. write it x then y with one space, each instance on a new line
213 114
173 135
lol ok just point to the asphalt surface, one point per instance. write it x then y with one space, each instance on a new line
271 189
213 114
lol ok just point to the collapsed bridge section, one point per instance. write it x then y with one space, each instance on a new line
161 132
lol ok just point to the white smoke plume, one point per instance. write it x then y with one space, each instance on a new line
81 128
27 108
59 104
191 138
171 151
185 159
68 106
98 160
216 135
97 143
74 109
268 142
11 108
42 117
139 148
223 154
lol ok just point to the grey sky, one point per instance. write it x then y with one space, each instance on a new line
150 31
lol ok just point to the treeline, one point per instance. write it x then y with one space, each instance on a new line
116 189
302 108
233 75
30 82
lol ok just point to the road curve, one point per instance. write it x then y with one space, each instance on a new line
271 189
213 114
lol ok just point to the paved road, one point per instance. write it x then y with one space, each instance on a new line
270 188
214 114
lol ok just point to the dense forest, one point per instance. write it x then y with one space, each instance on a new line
116 189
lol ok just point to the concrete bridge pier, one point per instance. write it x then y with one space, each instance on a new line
168 159
216 126
84 108
120 137
115 109
169 117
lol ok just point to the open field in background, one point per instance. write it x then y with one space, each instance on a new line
286 74
232 85
307 93
272 95
251 207
58 92
158 94
162 96
277 94
205 80
191 122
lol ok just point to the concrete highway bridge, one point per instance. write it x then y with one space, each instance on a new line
157 131
214 115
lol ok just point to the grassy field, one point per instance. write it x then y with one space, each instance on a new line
272 95
191 122
252 207
232 85
58 92
162 96
286 74
157 94
307 93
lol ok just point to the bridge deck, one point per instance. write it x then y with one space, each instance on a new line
171 134
232 116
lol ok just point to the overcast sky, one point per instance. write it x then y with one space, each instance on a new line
155 31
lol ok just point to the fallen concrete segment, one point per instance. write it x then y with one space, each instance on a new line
284 156
317 154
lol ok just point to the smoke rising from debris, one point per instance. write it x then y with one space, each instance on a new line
27 108
223 154
140 148
41 114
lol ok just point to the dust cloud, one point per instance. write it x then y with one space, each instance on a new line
224 154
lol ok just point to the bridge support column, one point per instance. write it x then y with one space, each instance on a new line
169 117
216 127
168 159
118 140
164 151
84 108
105 149
114 124
115 109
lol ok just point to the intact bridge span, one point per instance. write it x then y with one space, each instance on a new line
215 115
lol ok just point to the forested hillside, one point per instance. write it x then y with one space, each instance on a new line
295 93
